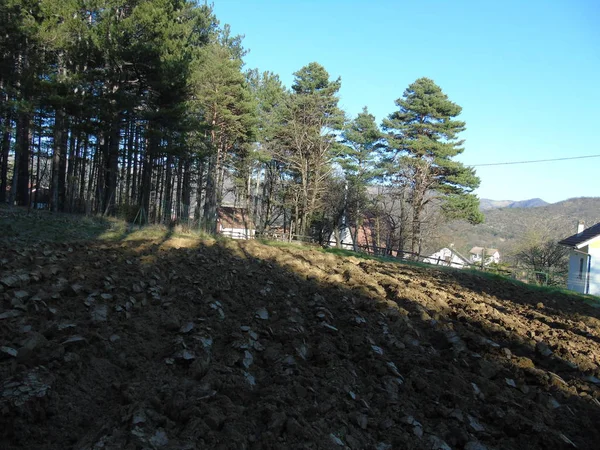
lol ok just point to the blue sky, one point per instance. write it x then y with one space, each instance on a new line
527 74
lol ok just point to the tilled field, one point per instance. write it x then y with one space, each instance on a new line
235 345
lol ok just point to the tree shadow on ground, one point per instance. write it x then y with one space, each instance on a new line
224 344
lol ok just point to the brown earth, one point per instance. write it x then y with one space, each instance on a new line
236 345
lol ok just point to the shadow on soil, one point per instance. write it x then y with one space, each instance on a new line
236 345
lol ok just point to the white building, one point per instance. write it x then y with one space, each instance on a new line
345 237
492 255
584 260
235 223
448 257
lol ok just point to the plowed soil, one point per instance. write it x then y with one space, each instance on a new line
187 344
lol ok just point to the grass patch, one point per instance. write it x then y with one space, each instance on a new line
30 226
385 259
347 253
21 225
286 244
546 290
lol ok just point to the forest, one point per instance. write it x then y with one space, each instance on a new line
144 109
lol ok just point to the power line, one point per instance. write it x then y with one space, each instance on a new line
534 161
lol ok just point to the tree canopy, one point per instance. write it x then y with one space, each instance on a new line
422 139
144 109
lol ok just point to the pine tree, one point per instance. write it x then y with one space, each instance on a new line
223 99
422 139
268 197
359 160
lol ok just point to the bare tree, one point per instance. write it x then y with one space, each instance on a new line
307 138
540 253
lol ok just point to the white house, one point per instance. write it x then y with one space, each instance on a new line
345 237
584 260
492 255
447 257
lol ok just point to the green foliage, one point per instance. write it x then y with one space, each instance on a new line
270 95
221 95
359 157
313 78
423 134
464 207
422 139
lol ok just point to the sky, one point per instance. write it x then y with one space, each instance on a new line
526 73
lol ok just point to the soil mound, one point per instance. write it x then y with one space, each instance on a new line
237 345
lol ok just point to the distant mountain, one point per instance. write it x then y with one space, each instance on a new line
487 204
504 228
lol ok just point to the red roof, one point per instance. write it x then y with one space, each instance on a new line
231 217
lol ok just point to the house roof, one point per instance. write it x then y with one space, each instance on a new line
231 217
580 239
459 255
451 250
479 251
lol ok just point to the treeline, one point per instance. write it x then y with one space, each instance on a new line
142 109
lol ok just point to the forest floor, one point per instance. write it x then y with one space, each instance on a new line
178 342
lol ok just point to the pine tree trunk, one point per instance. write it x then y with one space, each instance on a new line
22 154
37 172
304 208
210 198
199 188
130 161
167 191
415 243
158 187
111 166
57 184
186 191
62 168
136 153
4 152
82 177
30 184
146 177
89 207
70 182
358 222
15 180
178 198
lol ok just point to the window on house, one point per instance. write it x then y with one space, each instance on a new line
580 268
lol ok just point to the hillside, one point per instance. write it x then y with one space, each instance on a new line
504 227
485 204
186 343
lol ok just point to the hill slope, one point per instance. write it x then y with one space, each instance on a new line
504 227
182 343
485 204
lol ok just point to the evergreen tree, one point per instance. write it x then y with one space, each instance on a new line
359 160
422 139
223 99
269 188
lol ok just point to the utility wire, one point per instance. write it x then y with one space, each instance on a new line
534 161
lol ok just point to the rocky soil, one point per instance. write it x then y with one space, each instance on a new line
187 344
